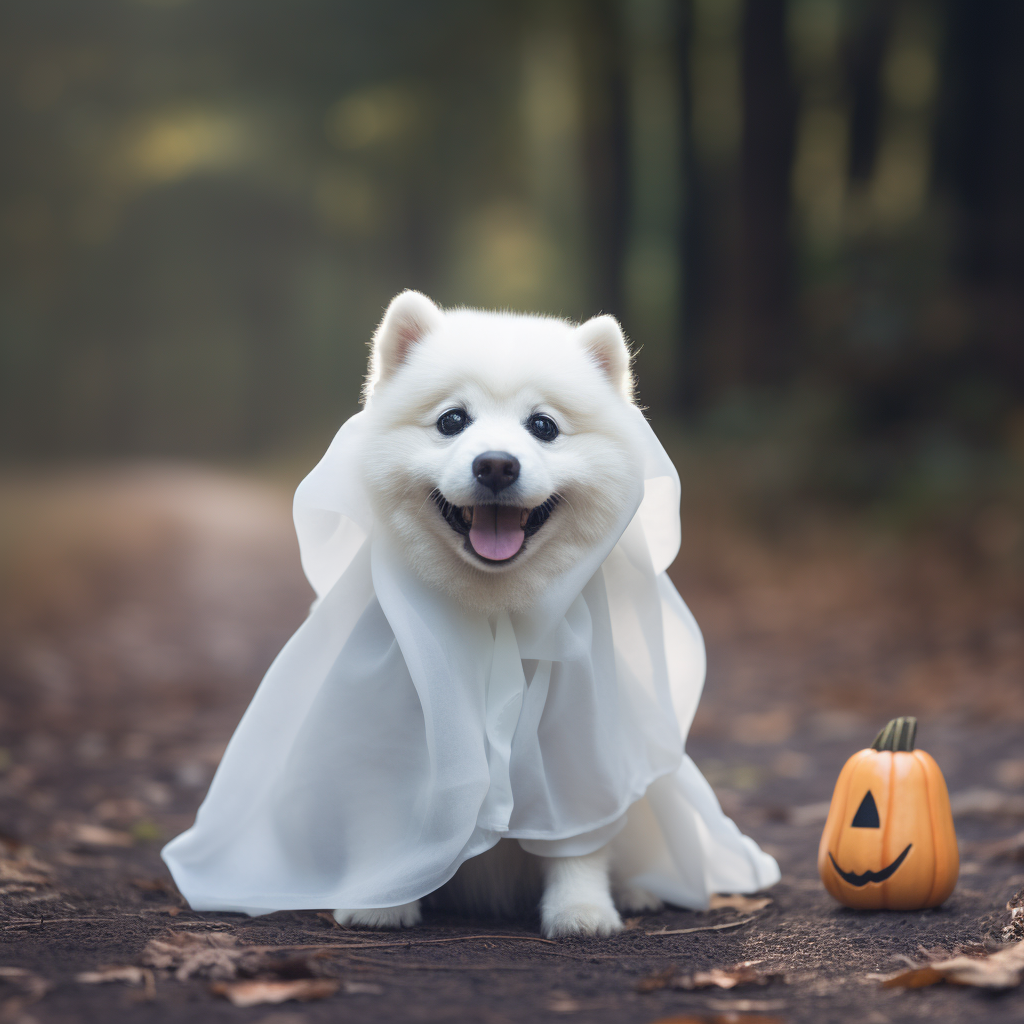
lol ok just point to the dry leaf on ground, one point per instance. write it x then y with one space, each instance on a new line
130 974
730 1009
726 978
256 992
363 988
160 885
737 902
1014 931
30 988
25 870
1002 969
208 954
729 1017
564 1003
99 835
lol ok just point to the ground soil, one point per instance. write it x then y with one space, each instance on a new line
139 608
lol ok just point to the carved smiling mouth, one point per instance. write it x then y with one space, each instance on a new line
494 533
870 876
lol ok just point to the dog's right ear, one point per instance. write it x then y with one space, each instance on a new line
602 339
408 320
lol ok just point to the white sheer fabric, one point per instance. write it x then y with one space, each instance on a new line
397 735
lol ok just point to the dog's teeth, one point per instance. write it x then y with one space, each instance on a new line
523 518
467 514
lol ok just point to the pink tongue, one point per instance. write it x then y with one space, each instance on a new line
496 533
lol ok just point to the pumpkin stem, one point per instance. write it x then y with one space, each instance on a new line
899 734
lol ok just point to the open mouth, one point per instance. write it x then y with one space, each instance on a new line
494 533
870 876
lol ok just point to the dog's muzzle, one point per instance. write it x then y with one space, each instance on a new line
493 532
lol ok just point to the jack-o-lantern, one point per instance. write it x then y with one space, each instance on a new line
889 841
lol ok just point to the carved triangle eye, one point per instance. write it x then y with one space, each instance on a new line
867 814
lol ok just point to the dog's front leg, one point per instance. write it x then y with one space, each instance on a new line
577 896
381 917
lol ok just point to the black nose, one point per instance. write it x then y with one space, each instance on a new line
496 470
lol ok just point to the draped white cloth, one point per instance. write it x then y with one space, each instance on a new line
396 735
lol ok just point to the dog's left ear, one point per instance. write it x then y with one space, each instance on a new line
408 320
603 340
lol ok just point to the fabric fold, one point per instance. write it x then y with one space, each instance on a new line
398 733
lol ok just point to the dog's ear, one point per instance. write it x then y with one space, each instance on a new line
602 339
408 320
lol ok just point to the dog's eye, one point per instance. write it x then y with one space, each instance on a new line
454 421
542 427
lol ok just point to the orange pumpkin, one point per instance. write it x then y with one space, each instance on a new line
889 841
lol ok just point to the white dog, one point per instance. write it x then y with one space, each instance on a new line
488 705
497 478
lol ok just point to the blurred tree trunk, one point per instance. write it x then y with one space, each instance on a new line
694 240
984 143
606 150
766 342
863 55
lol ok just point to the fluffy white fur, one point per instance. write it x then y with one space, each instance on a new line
502 369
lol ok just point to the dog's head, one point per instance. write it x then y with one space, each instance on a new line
498 446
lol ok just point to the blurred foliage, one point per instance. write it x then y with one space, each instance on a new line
807 213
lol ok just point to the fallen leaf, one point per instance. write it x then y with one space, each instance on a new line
729 1017
1002 969
170 910
718 978
742 974
24 870
564 1004
916 977
253 993
128 973
631 924
1014 931
742 904
207 954
732 1007
99 835
31 988
363 988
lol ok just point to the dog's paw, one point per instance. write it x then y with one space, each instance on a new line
633 899
404 916
580 919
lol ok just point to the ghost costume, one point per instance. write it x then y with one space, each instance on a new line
398 734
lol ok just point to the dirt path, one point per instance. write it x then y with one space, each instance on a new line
139 609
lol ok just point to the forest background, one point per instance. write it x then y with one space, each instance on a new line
808 214
809 217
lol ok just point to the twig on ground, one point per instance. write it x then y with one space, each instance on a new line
705 928
403 966
404 942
